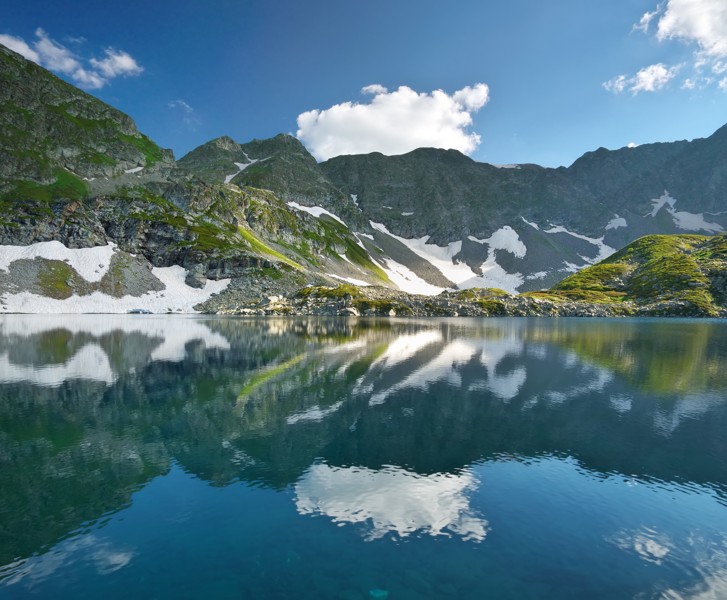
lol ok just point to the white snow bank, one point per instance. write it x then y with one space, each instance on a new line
316 211
694 222
604 250
616 222
176 297
505 238
442 258
406 280
358 282
533 225
683 219
134 170
661 201
242 166
90 263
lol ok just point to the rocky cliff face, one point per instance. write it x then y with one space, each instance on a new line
451 221
53 135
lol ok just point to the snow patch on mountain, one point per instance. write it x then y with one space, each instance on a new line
352 280
90 263
533 225
316 211
604 250
176 297
242 166
660 202
505 238
490 274
694 222
616 222
406 280
683 219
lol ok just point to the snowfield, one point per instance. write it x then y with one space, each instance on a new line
92 264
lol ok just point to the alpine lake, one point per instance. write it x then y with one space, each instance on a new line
147 456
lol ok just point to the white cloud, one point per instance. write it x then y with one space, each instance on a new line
117 63
703 22
374 88
89 80
617 84
18 45
723 84
394 122
649 79
646 18
189 118
181 104
653 78
56 57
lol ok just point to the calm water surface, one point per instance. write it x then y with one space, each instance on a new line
172 457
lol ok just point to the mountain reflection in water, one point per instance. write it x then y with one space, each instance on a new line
384 426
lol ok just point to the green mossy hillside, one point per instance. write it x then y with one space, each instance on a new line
681 274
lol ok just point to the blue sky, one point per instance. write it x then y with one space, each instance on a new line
522 81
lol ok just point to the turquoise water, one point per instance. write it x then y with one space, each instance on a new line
173 457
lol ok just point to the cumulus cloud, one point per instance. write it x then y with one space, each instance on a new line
117 63
394 122
56 57
653 78
649 79
703 22
374 88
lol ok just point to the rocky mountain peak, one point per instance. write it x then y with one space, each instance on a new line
53 134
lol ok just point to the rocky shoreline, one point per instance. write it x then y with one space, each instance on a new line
372 301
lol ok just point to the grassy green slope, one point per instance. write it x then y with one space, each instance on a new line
680 273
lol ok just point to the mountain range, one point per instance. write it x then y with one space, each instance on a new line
263 217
